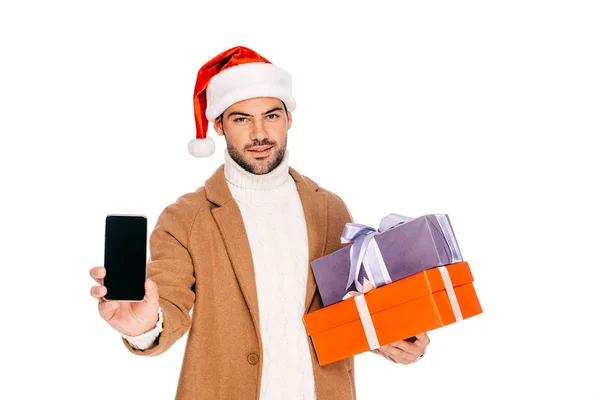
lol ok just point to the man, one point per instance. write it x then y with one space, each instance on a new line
238 250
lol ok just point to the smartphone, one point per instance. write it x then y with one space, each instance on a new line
125 257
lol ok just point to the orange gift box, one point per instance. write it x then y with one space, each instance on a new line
399 310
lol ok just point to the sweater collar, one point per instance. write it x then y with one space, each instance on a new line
239 177
218 191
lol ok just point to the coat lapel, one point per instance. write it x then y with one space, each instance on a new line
315 213
229 219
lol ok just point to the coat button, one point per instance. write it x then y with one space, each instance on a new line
252 358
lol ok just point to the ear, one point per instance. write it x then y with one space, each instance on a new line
289 120
218 126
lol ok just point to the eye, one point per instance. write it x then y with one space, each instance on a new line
272 116
240 119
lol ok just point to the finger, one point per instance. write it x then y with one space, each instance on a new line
151 292
397 355
107 309
98 273
423 338
415 348
383 354
98 292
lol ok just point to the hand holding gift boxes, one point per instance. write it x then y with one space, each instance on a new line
419 283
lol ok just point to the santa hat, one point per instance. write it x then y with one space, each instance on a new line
236 74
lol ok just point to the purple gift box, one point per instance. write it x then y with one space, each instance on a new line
401 247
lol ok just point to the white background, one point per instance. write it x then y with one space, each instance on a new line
487 111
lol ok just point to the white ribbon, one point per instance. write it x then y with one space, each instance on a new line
365 315
373 253
367 322
451 294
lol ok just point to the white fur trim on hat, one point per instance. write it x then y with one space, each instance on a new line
202 147
246 81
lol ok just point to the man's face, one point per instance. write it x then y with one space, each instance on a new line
255 131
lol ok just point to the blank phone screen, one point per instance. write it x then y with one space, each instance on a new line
125 257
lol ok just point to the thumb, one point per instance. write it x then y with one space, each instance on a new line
151 292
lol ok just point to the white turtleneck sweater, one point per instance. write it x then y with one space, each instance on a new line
274 221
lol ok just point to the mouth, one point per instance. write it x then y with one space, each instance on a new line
260 151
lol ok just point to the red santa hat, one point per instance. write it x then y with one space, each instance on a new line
236 74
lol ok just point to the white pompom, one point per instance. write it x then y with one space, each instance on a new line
202 147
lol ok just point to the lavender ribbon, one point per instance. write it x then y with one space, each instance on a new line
444 223
364 251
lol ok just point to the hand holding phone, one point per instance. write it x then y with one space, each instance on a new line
130 318
127 300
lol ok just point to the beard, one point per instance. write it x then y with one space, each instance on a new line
239 159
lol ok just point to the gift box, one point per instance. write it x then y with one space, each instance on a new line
419 303
400 247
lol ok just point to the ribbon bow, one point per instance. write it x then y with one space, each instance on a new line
365 252
367 287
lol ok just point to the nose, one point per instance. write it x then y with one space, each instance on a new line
258 131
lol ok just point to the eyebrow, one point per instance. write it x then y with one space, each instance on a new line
250 115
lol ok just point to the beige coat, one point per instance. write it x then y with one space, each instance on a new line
200 257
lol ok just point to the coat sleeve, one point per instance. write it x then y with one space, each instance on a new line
170 266
339 215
